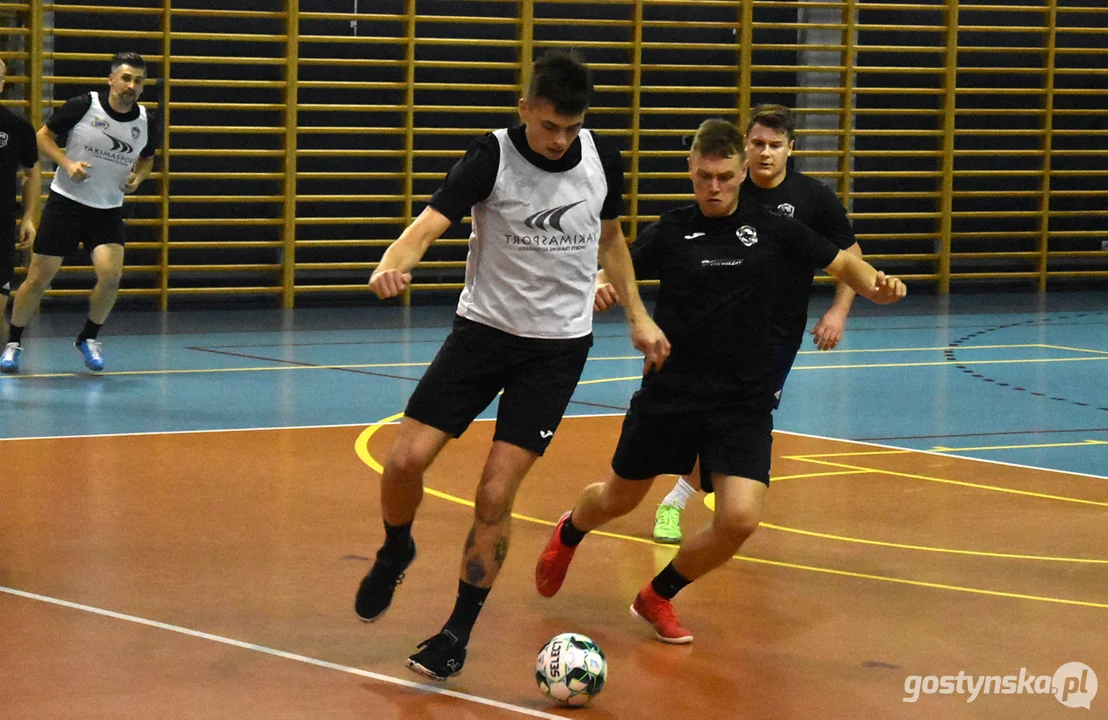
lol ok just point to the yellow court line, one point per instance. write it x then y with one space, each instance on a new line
711 505
859 366
615 357
848 454
921 583
1083 350
940 448
925 548
607 380
361 447
819 474
858 351
922 349
195 371
948 362
708 501
876 365
362 366
961 483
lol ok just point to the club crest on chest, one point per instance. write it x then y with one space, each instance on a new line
747 235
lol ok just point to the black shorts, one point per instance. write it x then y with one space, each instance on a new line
476 362
66 224
729 440
7 254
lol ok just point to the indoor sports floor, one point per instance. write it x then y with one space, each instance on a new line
181 536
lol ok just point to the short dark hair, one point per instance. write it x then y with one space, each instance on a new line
775 117
128 58
563 79
718 138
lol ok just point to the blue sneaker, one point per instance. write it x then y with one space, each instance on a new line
90 351
9 361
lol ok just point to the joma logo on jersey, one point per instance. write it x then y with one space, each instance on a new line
118 145
551 217
99 123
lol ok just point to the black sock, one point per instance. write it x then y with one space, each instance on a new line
398 539
16 334
570 535
669 582
90 331
466 609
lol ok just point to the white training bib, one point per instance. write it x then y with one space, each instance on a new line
110 147
532 264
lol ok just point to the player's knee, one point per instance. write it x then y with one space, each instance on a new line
620 496
736 526
493 500
406 465
110 277
35 283
492 504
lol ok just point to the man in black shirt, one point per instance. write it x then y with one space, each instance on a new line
109 143
18 152
769 143
713 398
545 198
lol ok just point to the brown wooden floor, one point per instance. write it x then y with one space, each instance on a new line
262 537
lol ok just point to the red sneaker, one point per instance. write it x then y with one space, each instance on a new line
550 572
656 610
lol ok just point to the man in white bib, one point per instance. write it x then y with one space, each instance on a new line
545 198
109 142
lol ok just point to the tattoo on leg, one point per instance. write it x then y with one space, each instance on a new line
472 539
475 571
501 551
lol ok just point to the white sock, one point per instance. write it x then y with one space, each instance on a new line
679 495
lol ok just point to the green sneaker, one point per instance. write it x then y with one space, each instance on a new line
667 525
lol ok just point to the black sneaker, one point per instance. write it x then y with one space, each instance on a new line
379 584
439 657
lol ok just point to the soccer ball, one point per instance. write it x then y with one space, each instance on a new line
571 669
